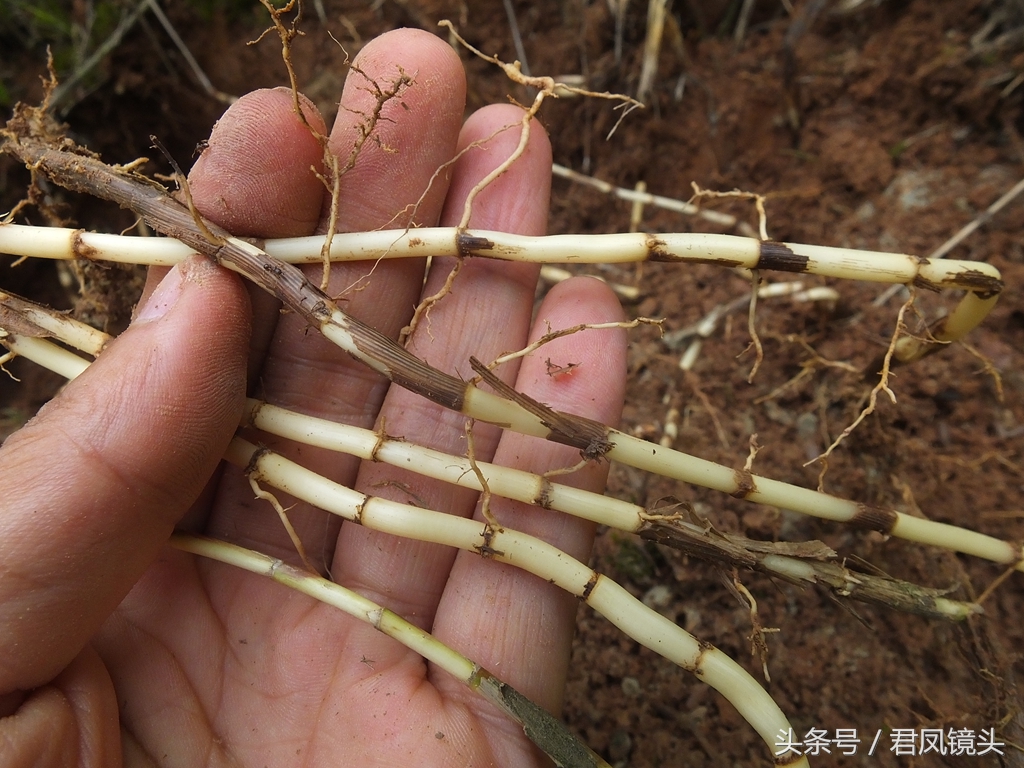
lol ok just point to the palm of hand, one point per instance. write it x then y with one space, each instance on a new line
211 665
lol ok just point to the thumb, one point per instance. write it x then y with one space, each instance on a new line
94 484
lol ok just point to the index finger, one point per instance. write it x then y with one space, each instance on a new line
395 145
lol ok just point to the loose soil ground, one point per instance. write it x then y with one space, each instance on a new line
887 128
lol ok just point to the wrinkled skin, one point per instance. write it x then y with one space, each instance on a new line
114 647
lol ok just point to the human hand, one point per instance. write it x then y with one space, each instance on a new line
111 643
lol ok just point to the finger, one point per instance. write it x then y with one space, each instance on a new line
510 621
98 479
255 177
487 313
70 721
414 136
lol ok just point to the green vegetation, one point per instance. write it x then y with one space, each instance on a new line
32 26
636 561
74 31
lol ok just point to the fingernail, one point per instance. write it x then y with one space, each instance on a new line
163 298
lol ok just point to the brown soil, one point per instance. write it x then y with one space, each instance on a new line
882 129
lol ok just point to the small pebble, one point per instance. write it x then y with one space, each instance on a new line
657 597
